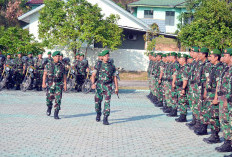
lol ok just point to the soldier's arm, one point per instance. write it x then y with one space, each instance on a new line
116 84
65 82
173 80
93 80
44 79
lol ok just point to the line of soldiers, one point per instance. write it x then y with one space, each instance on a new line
21 63
201 81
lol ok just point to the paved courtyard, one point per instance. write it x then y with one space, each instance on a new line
137 128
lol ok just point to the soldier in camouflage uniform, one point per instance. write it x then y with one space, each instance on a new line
162 79
181 81
107 74
9 63
152 87
2 60
30 62
75 67
39 65
83 68
55 73
224 97
49 57
149 72
19 70
210 116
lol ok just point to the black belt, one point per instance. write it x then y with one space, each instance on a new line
229 99
58 80
179 83
169 80
210 90
220 93
193 82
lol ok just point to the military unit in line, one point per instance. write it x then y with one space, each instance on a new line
201 81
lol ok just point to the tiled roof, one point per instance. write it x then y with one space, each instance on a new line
35 2
158 3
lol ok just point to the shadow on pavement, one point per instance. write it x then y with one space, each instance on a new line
135 118
84 114
127 91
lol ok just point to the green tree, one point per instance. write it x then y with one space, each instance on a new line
76 22
211 26
14 39
150 36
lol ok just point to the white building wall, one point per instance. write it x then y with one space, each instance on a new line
33 26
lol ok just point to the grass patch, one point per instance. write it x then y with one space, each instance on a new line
136 76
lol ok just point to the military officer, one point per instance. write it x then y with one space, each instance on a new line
39 65
83 68
107 74
55 73
19 70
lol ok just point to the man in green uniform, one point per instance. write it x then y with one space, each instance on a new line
149 73
107 74
55 73
39 65
49 56
19 70
9 63
224 96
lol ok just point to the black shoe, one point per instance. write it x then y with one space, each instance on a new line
182 118
228 155
168 110
56 114
192 123
160 104
214 138
196 126
49 111
226 147
105 120
17 88
173 113
98 117
202 130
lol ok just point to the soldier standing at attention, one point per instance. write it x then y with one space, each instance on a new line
1 62
83 68
49 57
20 70
55 73
39 65
8 62
149 72
107 74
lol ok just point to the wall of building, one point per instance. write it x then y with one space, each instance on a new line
33 26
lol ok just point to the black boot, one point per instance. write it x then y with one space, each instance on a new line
168 110
202 130
182 118
173 113
228 155
98 117
105 120
226 147
214 138
56 114
160 104
192 123
196 126
49 111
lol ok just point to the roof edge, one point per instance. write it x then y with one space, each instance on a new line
22 17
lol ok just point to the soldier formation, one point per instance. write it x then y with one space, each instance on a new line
201 81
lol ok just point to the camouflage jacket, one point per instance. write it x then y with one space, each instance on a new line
18 62
30 62
8 62
224 83
149 67
157 69
106 73
153 65
166 71
75 64
39 64
82 66
98 66
55 72
174 67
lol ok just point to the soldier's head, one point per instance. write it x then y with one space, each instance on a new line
61 57
164 57
8 56
105 55
183 59
19 54
159 56
29 54
215 56
49 54
150 55
203 53
40 55
173 56
190 59
194 52
226 55
77 56
56 56
81 56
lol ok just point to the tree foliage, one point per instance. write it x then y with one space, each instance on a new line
149 37
211 26
75 22
14 39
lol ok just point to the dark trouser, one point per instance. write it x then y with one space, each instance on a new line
80 80
18 77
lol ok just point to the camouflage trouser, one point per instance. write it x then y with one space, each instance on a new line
189 96
54 92
103 90
160 92
152 85
195 98
224 117
165 91
168 94
210 114
174 98
182 101
39 78
18 77
199 106
156 87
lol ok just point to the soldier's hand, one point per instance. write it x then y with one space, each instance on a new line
93 86
44 85
215 101
159 82
183 92
116 91
65 87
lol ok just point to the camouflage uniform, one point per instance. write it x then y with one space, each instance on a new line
104 87
153 78
167 85
18 62
81 73
190 90
1 64
39 72
55 75
158 87
211 114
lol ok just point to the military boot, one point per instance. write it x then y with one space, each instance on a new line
49 111
202 130
226 147
105 120
160 104
98 117
197 125
228 155
192 123
168 110
173 113
149 95
182 118
214 138
56 114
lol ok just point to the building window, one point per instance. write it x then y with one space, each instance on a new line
148 14
170 18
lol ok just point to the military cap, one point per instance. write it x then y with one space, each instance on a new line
189 57
183 55
204 50
178 55
105 52
150 53
82 54
159 54
77 54
19 52
164 55
227 51
216 52
49 53
195 49
40 53
154 54
8 54
29 53
55 53
173 54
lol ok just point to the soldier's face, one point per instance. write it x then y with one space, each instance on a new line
106 58
56 58
78 57
61 58
19 55
190 60
226 58
40 56
81 58
213 58
49 56
30 55
8 56
149 57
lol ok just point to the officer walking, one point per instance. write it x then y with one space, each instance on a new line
39 65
